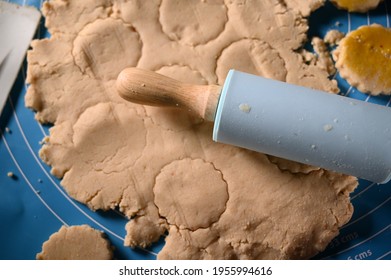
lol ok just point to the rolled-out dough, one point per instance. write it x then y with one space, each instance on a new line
160 166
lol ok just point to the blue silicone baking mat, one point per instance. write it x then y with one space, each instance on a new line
33 205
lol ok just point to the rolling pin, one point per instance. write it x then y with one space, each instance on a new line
293 122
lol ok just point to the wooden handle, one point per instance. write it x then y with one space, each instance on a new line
150 88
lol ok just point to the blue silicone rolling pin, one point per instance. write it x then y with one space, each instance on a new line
297 123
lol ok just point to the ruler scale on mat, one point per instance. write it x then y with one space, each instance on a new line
17 28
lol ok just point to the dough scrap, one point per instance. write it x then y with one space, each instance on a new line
76 243
113 154
361 6
323 60
304 7
363 58
333 37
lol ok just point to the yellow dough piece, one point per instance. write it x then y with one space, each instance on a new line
76 243
360 6
363 58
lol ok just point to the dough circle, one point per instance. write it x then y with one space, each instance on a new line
190 193
361 6
193 22
76 243
251 56
101 137
100 48
363 58
104 128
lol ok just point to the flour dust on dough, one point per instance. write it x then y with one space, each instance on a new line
113 154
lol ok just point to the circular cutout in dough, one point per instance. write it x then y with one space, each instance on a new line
108 128
100 48
183 73
193 22
101 155
251 56
190 193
